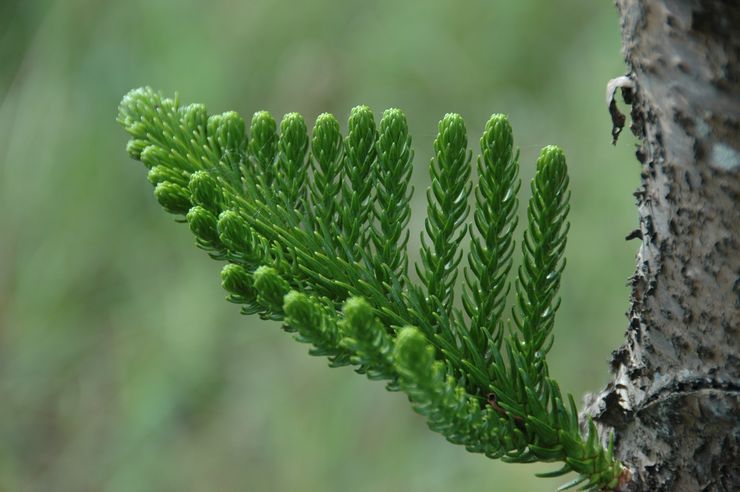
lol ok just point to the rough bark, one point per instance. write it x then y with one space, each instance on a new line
674 400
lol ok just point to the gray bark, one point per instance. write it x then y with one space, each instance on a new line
674 400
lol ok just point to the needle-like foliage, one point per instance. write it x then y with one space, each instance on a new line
492 244
357 190
446 212
392 196
543 262
328 173
314 233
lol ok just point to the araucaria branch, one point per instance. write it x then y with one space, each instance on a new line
315 231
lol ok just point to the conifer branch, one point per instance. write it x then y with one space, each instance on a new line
324 252
368 341
326 183
491 247
447 210
290 181
316 323
543 262
450 410
357 190
263 146
392 196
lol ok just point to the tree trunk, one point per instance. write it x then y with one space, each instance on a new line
674 400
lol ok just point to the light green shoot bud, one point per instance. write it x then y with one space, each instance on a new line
174 198
497 139
135 147
214 121
133 105
300 312
271 288
551 159
394 132
203 225
326 143
194 117
368 342
358 318
263 143
551 179
315 324
362 134
205 190
154 155
228 131
237 281
413 354
234 232
139 103
158 174
452 137
293 141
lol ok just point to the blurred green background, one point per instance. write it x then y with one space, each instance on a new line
121 366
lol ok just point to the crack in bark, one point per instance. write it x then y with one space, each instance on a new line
683 388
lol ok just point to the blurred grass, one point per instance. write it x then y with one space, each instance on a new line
122 369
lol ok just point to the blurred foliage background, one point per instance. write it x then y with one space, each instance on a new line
122 368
